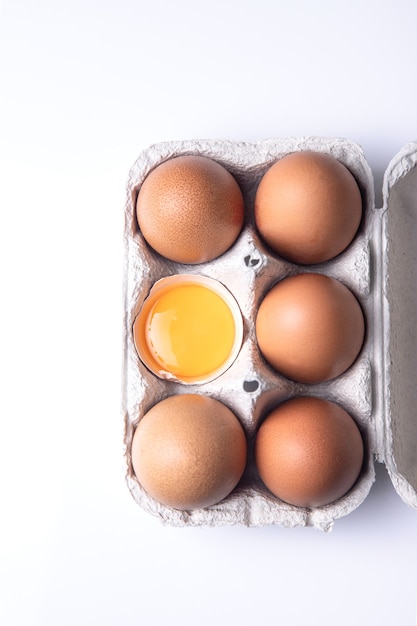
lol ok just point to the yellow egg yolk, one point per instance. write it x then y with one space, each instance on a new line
190 331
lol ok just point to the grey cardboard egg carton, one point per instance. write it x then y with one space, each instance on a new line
379 390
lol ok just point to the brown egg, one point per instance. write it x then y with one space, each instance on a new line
190 209
309 452
308 207
310 328
189 451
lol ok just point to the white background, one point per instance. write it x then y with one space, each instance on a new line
86 85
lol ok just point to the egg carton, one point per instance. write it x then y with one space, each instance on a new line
378 390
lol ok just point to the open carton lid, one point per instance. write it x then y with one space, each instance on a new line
397 446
